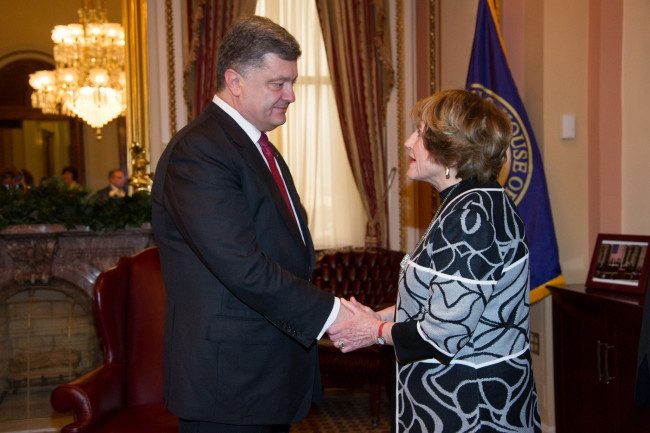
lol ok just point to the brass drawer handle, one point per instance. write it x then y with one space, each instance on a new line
608 378
598 360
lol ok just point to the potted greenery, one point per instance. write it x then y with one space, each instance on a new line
55 203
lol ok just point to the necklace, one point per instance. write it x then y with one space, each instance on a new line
407 256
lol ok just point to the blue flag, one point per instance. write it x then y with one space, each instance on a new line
523 174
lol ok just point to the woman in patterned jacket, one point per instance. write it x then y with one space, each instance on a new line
460 328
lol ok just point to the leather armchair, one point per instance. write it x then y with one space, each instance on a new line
125 394
371 276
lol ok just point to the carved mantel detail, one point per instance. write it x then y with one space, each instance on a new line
35 254
32 259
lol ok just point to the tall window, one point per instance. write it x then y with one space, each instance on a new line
311 140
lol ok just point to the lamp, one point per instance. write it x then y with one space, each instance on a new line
89 79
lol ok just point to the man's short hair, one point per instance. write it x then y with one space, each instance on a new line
246 43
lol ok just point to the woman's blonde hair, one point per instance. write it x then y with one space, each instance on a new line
464 130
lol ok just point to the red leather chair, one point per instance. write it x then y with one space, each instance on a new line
125 394
371 276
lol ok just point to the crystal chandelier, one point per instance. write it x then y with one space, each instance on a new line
89 79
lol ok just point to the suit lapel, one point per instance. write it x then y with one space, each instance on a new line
295 199
256 160
293 193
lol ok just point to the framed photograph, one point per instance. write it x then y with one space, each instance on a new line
620 263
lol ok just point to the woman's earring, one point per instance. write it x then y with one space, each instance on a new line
447 174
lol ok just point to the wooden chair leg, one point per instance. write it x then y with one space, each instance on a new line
375 399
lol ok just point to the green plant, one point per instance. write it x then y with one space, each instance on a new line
55 203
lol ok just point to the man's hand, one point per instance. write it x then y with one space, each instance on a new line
357 331
345 313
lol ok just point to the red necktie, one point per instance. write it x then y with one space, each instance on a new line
270 159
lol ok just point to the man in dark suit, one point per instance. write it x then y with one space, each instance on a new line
116 185
236 254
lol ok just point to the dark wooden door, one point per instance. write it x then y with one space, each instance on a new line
595 346
578 334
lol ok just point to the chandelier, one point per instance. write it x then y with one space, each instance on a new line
89 79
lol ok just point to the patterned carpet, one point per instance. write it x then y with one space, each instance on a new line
344 411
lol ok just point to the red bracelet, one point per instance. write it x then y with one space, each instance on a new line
381 326
381 340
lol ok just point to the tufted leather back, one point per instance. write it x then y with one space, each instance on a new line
369 274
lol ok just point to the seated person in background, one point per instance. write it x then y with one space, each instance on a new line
26 179
70 177
116 187
10 179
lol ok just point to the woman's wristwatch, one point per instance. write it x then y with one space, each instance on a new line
380 339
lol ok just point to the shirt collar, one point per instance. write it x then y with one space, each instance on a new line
253 133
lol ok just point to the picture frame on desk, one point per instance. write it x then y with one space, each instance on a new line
620 263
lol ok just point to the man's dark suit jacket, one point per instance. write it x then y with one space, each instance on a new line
241 317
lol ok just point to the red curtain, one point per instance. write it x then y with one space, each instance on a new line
357 42
208 21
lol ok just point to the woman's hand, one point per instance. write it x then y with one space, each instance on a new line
365 308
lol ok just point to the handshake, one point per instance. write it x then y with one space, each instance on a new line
357 326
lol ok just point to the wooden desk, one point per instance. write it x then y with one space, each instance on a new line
595 346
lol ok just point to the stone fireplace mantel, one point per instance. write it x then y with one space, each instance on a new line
47 333
34 254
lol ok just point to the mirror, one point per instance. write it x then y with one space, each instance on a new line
44 144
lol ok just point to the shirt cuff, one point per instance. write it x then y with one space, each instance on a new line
331 318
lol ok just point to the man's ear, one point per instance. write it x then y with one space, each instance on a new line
233 81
